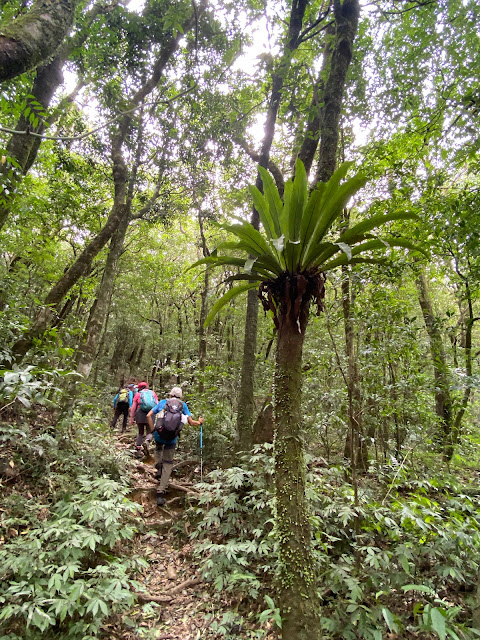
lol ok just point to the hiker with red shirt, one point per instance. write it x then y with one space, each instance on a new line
143 401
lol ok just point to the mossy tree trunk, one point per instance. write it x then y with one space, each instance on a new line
443 400
86 356
34 36
299 603
355 446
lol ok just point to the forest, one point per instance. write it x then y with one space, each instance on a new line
264 216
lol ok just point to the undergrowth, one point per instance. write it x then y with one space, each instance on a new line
403 560
65 526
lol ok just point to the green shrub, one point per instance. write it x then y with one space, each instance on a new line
60 578
402 560
233 519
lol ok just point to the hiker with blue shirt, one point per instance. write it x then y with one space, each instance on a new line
170 415
121 404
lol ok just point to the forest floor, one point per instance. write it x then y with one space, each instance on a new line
173 603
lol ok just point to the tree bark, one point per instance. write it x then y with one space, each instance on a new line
34 37
347 13
443 401
355 446
299 604
202 337
88 352
469 322
312 134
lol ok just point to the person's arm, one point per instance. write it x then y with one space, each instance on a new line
194 423
134 408
150 415
115 401
130 398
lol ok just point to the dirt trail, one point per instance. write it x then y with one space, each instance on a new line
176 600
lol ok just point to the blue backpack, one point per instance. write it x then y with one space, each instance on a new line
147 401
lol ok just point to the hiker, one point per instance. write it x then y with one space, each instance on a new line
143 401
121 404
170 416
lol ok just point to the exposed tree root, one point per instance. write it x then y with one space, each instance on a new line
166 599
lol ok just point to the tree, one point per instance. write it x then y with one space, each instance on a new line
287 264
34 36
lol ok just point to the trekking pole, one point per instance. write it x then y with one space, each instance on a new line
201 453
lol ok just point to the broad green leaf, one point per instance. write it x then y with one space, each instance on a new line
371 245
418 587
438 623
310 215
389 619
331 209
298 201
261 205
338 262
372 223
272 196
221 302
262 265
284 214
245 276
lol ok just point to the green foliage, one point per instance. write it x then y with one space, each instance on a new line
403 560
30 385
233 519
296 233
421 541
59 577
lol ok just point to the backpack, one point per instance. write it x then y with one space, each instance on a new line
123 395
147 401
169 422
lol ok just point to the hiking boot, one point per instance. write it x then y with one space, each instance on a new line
161 500
138 452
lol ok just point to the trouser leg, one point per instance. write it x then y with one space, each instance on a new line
168 453
158 455
125 417
116 415
141 431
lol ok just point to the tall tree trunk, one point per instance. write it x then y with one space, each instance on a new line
101 344
299 604
105 290
202 336
355 446
246 397
469 322
246 400
347 13
311 136
443 400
